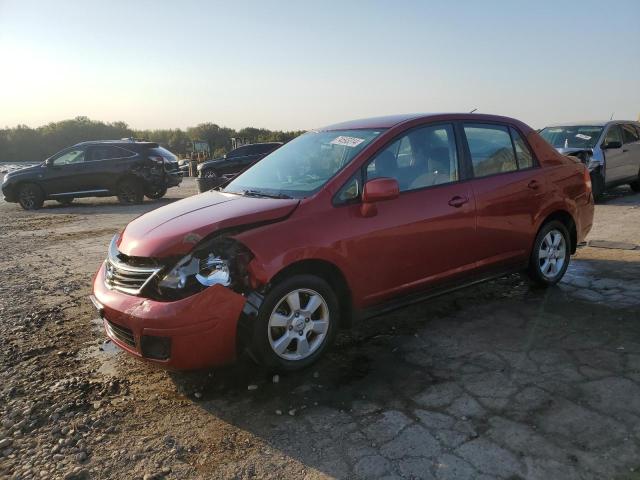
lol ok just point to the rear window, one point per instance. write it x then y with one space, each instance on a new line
491 149
163 152
629 134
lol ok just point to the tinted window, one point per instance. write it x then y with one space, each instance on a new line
239 152
72 156
613 135
106 152
424 157
491 149
629 134
523 154
263 149
163 152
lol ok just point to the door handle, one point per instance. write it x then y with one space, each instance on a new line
458 201
533 185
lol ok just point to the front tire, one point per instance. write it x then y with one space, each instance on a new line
130 191
155 192
551 254
297 322
30 196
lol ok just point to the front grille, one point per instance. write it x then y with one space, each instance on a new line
127 279
121 333
127 274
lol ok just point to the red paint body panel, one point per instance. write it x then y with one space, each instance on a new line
411 243
176 228
201 336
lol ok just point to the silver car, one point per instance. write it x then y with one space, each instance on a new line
611 150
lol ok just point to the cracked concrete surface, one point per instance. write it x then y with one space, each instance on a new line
496 381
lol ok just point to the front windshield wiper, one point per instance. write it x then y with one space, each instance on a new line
258 193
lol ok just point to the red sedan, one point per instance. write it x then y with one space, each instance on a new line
341 224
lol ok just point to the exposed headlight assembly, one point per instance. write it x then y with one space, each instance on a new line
221 261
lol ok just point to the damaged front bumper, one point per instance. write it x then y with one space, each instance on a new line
199 331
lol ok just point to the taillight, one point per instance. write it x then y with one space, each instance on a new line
156 159
587 180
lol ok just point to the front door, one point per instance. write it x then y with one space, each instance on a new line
64 172
614 158
426 235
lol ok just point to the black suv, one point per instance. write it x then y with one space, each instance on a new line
128 169
218 171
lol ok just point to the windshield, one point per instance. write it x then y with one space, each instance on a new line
580 136
304 165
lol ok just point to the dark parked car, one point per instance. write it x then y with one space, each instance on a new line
127 169
610 150
214 173
341 224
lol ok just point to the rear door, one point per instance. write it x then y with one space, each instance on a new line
509 188
630 151
64 173
104 163
426 235
614 160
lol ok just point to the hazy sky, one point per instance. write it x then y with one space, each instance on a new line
302 64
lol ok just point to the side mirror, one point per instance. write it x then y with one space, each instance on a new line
48 162
614 144
378 190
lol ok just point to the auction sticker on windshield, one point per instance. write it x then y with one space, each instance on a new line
347 141
583 137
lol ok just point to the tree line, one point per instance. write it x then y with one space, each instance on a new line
25 144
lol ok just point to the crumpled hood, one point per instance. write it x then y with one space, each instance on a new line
176 228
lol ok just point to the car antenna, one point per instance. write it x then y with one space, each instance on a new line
473 110
611 118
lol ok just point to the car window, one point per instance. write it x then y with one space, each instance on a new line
424 157
613 135
106 152
350 191
70 157
163 152
491 149
238 152
523 154
629 134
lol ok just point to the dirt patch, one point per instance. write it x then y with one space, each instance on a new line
497 380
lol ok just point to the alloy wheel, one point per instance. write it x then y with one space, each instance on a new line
552 254
298 325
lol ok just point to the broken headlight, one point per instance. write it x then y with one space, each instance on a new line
218 262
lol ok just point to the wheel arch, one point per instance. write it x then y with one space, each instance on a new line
568 221
329 272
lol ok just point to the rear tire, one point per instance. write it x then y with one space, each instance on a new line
30 196
65 201
130 191
296 323
597 185
550 255
154 192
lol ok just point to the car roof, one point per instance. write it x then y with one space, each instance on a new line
600 123
117 142
390 121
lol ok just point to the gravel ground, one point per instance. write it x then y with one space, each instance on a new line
496 381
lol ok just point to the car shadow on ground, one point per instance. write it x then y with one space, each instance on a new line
459 373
